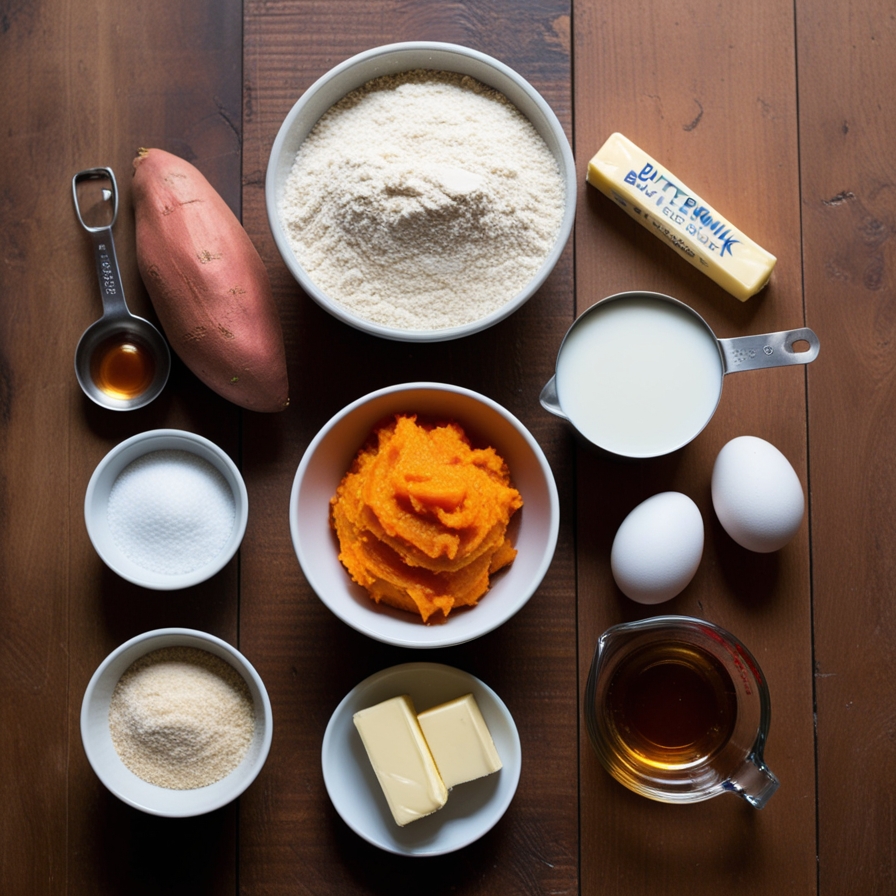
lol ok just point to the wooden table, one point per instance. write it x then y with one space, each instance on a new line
781 115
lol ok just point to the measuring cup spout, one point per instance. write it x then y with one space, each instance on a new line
549 400
753 782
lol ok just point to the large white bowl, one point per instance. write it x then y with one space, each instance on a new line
119 779
472 809
390 60
533 528
96 503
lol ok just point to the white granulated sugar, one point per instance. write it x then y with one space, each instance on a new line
423 201
171 512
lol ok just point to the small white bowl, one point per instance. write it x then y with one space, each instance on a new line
472 809
119 779
393 59
533 528
96 503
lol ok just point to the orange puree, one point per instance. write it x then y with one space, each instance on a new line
422 517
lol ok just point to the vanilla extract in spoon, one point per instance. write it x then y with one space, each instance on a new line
122 366
122 361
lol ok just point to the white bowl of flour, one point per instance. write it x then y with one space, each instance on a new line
421 191
166 509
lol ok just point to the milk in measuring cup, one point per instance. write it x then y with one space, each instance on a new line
639 376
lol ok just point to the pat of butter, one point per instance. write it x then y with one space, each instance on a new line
653 195
460 741
401 759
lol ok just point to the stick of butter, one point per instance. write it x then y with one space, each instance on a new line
401 759
460 741
653 195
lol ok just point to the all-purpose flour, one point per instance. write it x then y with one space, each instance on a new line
423 200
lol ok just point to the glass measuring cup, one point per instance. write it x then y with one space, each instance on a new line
122 361
640 374
678 710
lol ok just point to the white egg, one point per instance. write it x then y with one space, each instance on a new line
658 548
756 494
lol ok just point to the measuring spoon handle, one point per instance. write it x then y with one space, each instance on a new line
769 350
97 209
108 274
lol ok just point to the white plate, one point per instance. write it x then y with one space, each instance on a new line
472 808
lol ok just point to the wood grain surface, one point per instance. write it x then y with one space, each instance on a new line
781 116
847 56
714 98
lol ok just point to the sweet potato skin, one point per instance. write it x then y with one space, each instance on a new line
207 283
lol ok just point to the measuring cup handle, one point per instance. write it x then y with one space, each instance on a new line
768 350
753 781
549 400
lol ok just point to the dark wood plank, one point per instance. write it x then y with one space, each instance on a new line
85 84
847 66
712 95
309 659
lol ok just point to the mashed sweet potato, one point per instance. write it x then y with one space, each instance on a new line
422 517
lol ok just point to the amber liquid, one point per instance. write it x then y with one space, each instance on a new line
670 706
122 366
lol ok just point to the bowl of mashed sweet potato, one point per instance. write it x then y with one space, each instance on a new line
424 515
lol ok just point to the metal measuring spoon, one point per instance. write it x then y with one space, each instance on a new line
122 361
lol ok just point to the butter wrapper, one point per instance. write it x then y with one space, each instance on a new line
655 197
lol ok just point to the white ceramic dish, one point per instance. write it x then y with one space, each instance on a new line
533 528
119 779
472 808
389 60
96 504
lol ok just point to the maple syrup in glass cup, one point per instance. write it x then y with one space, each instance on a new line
678 711
122 361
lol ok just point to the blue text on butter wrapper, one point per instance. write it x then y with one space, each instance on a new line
697 219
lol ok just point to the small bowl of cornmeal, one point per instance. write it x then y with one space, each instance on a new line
176 722
421 191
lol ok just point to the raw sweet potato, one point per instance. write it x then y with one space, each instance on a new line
208 283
